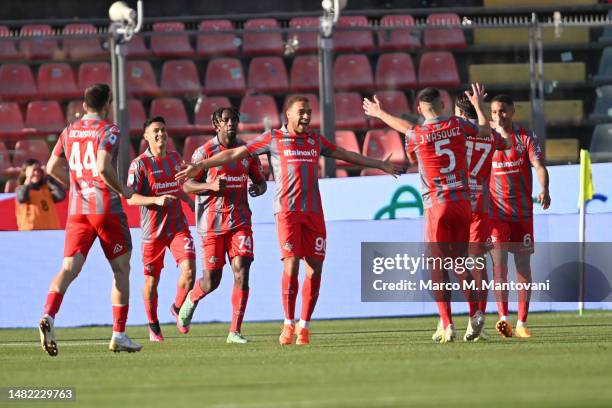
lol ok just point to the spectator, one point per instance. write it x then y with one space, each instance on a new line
36 195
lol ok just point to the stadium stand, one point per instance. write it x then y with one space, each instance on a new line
17 82
352 72
308 42
45 117
438 69
395 71
169 40
76 44
224 76
395 36
56 81
603 103
93 72
601 143
11 122
347 40
561 151
136 47
604 72
192 143
210 43
444 37
8 46
31 149
349 113
180 78
257 113
305 73
394 102
141 79
347 140
35 43
175 115
268 75
203 112
519 73
520 36
257 40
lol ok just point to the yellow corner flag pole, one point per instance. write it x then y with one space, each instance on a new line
586 193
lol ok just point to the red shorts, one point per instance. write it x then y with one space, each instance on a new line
238 242
301 234
519 234
83 229
153 253
480 234
448 223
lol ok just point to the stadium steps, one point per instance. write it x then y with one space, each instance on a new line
519 73
536 3
520 36
562 151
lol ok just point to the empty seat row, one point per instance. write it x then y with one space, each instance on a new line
24 149
215 37
225 76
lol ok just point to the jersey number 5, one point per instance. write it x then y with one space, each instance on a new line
442 151
87 161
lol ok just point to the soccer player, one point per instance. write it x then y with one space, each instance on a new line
90 144
224 219
162 221
439 145
294 156
512 208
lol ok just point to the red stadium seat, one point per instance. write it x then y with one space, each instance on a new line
11 121
394 102
94 72
439 70
449 105
348 141
346 40
204 110
45 116
395 71
141 79
137 117
213 44
180 78
259 40
56 81
35 42
80 42
444 37
379 144
31 149
173 111
136 47
315 118
352 72
268 74
170 146
224 76
17 82
258 112
169 40
349 111
8 45
10 185
192 143
74 111
305 73
308 42
395 34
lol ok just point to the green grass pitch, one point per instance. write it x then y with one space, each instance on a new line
350 363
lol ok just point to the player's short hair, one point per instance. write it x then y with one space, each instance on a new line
503 99
294 99
218 114
97 96
463 103
22 173
154 119
428 95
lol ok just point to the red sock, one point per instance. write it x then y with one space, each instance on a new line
54 300
523 276
473 308
239 303
523 311
120 314
290 287
196 293
151 309
181 295
482 306
444 309
500 274
310 294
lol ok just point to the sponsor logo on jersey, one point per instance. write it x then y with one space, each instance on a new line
300 153
503 165
112 139
236 179
166 185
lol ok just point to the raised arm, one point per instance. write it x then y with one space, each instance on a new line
477 97
374 109
219 159
363 161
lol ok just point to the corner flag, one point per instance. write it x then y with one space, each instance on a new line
586 179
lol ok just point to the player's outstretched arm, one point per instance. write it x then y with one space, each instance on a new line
57 167
374 109
161 201
542 174
257 189
477 97
109 175
192 186
364 161
219 159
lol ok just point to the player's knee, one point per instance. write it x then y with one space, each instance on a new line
241 278
291 265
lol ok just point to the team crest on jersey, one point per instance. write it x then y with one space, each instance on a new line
177 167
288 247
213 259
133 166
311 141
130 179
519 147
245 162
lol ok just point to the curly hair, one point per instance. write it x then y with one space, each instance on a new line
218 114
463 103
